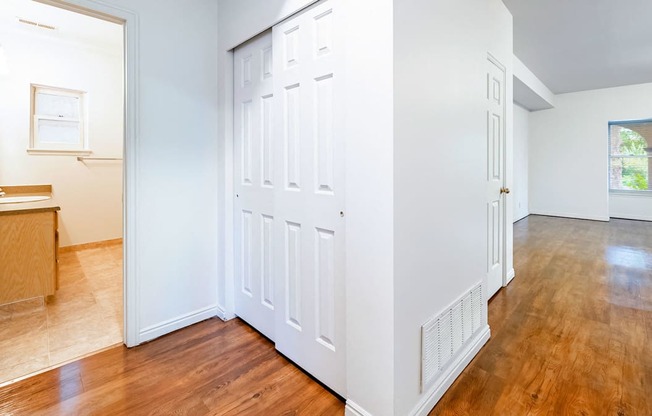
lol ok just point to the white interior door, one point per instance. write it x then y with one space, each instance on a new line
253 94
289 185
495 174
309 201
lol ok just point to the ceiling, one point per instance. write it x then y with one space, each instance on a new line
69 26
577 45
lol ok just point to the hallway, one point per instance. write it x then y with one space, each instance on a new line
572 334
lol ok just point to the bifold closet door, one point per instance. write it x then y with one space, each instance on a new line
254 183
309 214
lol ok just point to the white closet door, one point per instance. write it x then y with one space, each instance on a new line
255 180
309 199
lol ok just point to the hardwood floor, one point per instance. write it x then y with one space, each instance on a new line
211 368
571 335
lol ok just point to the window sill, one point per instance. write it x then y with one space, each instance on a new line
59 152
636 194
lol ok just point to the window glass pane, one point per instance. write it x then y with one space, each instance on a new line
48 104
59 132
629 173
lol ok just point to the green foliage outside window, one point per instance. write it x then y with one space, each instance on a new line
635 173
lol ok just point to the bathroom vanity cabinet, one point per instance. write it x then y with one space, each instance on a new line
29 245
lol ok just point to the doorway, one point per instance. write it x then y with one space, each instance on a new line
65 71
289 192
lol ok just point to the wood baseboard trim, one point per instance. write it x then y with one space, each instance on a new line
86 246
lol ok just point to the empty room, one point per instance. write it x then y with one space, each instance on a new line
361 208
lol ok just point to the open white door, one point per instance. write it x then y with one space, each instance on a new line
254 183
309 201
495 174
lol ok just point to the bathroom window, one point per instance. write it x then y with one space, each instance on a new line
58 121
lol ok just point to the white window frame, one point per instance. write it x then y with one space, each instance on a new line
81 147
631 192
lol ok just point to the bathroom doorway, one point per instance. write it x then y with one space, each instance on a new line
63 128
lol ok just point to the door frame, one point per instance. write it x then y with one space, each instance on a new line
129 21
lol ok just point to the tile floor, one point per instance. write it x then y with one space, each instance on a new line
85 315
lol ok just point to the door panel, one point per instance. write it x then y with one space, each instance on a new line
495 175
309 203
254 183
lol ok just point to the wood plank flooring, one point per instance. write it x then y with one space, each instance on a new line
572 335
211 368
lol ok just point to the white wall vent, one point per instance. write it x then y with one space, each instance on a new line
444 336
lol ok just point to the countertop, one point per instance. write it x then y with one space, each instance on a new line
29 207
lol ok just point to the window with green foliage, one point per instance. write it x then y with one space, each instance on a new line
630 151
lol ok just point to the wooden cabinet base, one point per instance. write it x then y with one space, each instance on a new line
28 256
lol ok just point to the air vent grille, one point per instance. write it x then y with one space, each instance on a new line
444 336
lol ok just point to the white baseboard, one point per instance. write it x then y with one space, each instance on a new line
631 217
165 327
570 215
509 277
431 398
221 313
352 409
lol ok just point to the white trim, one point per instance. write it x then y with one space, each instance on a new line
130 21
569 215
277 20
428 402
221 313
631 193
631 217
60 152
509 277
229 190
182 321
353 409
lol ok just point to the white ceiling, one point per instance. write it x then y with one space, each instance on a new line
577 45
69 26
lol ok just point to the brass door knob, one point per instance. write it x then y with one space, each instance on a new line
504 190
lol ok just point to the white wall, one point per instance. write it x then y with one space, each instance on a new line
440 155
569 153
172 251
90 195
367 69
630 206
521 157
529 91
